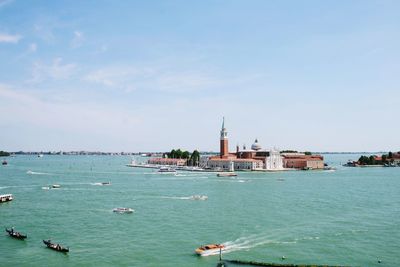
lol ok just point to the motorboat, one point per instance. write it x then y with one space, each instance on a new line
4 162
15 234
55 246
123 210
226 174
55 186
6 197
166 170
106 183
199 197
211 249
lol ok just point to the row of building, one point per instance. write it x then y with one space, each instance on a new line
254 159
258 159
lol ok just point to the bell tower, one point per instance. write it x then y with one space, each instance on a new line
223 140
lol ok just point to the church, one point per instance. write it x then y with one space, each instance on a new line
254 159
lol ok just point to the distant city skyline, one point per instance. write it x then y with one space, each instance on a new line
155 75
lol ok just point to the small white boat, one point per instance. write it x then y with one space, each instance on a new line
166 170
211 249
6 198
123 210
199 197
55 186
40 156
226 174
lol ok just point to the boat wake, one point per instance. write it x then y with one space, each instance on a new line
246 243
194 197
101 184
233 180
37 173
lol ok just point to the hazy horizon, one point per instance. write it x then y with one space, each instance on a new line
157 75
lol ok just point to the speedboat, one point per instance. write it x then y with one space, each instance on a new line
15 234
123 210
199 197
106 183
55 246
55 186
4 162
166 170
211 249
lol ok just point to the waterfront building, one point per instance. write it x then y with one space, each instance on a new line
254 159
303 161
166 161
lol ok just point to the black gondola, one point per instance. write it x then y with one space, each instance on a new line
54 246
15 234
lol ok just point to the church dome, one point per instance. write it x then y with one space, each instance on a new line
256 146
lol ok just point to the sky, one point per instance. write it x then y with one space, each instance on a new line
155 75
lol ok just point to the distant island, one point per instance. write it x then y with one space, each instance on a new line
4 154
388 160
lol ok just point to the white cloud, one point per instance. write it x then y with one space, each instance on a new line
132 78
5 2
32 47
8 38
56 71
78 39
45 27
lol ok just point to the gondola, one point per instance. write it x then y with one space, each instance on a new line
15 234
54 246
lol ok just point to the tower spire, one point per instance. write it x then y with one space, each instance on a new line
224 151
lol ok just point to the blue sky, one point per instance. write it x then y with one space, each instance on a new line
157 75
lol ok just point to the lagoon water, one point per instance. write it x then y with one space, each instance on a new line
347 217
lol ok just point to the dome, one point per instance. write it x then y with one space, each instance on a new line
256 146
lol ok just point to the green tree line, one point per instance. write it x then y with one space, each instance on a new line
4 154
192 159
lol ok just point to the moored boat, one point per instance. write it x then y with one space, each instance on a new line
55 246
211 249
6 197
123 210
166 170
15 234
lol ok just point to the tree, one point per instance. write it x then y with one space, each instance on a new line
308 153
390 155
185 154
178 154
172 155
384 158
194 158
372 160
4 154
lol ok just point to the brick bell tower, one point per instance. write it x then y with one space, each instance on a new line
224 141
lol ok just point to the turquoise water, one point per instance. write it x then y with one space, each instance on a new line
347 217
